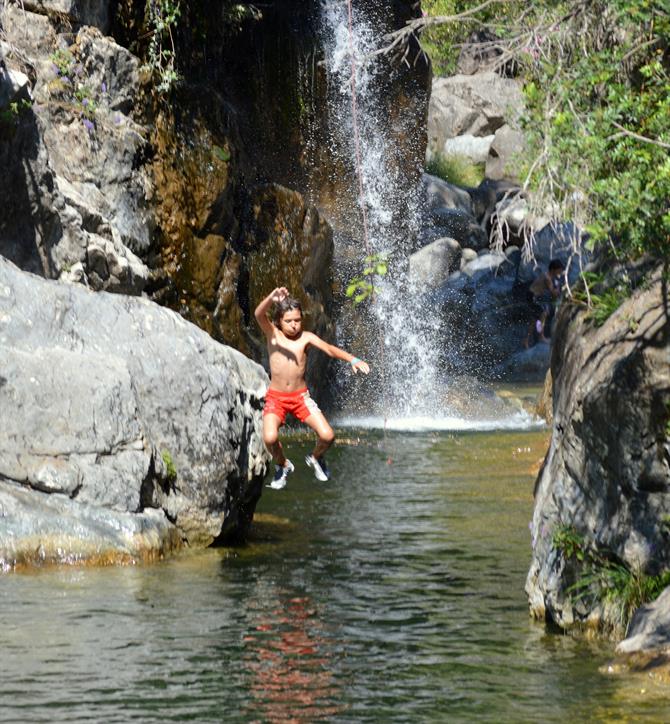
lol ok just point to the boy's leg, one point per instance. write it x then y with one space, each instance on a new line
320 425
271 425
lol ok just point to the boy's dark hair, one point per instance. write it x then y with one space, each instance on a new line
286 305
556 264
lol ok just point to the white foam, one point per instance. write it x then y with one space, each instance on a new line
519 420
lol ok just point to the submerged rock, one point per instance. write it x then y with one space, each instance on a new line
125 430
605 482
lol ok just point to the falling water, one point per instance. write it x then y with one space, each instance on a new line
402 333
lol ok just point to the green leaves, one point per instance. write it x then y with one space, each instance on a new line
162 16
597 89
601 296
221 153
362 286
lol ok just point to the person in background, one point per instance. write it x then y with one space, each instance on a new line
542 295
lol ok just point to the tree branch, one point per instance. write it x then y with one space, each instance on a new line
637 136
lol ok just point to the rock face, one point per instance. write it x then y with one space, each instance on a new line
77 197
120 420
120 195
606 477
467 113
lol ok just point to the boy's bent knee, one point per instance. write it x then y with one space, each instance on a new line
327 436
270 437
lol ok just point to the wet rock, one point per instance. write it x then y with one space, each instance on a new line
486 319
439 193
102 396
607 471
37 529
431 265
461 226
526 365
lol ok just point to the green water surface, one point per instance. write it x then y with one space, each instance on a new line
393 593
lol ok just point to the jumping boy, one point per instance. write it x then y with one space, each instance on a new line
288 346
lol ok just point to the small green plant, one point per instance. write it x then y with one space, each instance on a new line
162 18
10 114
87 103
601 299
169 465
362 287
455 169
600 577
63 62
570 543
221 153
629 589
73 89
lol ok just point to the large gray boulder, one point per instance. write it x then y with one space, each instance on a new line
606 476
119 415
432 265
439 193
473 107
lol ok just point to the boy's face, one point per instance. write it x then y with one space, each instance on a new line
291 323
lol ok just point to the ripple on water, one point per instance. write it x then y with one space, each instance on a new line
392 593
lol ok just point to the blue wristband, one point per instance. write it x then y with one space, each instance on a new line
354 361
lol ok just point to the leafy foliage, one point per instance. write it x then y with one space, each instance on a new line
162 16
601 577
597 86
602 298
362 287
569 542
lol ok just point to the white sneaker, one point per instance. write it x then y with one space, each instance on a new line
281 473
319 466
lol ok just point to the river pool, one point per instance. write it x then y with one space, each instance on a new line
393 593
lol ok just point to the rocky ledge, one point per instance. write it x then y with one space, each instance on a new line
602 499
127 431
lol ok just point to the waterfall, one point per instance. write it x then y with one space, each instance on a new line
401 333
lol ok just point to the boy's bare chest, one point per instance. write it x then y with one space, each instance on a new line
295 351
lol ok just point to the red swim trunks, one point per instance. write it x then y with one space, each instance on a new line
298 403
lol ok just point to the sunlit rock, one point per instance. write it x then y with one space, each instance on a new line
606 476
113 403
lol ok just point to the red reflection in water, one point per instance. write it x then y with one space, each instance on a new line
288 658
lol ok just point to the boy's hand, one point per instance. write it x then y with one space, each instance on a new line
279 294
358 364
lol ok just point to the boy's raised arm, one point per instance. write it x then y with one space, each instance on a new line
261 313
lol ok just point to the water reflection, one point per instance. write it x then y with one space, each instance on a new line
288 658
